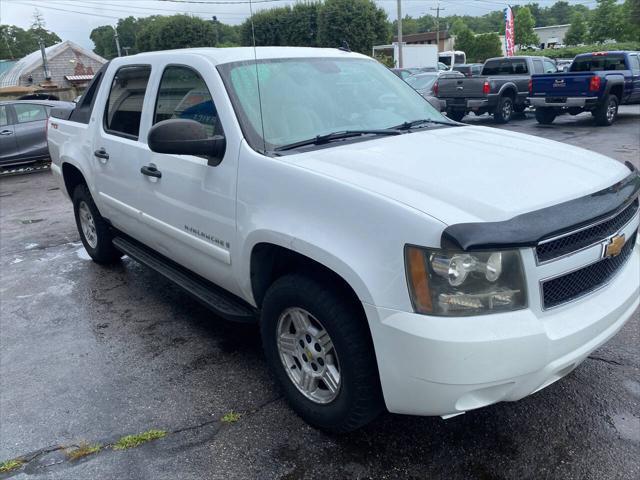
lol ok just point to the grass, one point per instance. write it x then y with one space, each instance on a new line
83 450
231 417
10 465
132 441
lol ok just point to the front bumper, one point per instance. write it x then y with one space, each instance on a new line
445 366
568 102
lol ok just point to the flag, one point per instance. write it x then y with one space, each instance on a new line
509 32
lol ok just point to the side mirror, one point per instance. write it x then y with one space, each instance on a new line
181 136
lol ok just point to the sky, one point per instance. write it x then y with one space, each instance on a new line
74 19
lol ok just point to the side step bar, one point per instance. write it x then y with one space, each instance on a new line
215 298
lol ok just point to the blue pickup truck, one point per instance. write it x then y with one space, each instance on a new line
596 82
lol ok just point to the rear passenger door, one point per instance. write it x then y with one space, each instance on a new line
8 144
117 149
189 212
30 133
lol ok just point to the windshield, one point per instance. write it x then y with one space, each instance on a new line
422 82
595 63
302 98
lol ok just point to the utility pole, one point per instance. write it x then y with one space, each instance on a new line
399 33
115 35
215 25
437 10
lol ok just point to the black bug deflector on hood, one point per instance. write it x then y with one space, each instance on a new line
529 229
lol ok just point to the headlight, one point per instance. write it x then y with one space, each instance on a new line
451 283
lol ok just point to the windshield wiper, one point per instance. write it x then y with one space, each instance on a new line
420 122
321 139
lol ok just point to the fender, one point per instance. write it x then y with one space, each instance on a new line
508 86
612 80
311 251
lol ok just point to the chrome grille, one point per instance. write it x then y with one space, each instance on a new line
580 282
586 237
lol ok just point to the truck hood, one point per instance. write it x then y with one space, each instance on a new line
467 174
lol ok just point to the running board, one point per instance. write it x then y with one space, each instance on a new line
215 298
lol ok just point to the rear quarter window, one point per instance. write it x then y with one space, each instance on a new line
599 63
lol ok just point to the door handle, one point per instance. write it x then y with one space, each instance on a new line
6 132
151 171
101 153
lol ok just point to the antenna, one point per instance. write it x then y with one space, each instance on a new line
255 59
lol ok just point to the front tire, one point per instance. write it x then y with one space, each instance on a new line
95 232
607 112
545 116
504 110
319 349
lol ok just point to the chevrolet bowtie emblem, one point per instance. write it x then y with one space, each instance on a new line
614 247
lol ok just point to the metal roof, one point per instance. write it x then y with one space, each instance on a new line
27 64
78 78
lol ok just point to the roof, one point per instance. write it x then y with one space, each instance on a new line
34 59
564 25
239 54
78 78
48 103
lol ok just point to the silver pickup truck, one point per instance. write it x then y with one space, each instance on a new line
501 89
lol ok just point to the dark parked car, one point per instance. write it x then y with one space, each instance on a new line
596 82
501 89
469 69
23 130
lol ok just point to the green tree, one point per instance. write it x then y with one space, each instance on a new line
606 22
486 45
16 42
560 13
457 26
577 32
631 16
175 31
523 25
360 23
465 41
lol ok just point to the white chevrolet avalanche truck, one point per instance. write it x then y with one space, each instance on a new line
391 257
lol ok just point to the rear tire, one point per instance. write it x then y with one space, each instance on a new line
456 115
504 110
607 111
297 308
95 232
545 116
519 108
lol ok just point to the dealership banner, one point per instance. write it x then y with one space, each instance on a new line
509 32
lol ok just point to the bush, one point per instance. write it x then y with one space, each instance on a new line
571 52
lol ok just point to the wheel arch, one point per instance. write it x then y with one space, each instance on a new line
271 260
509 90
72 177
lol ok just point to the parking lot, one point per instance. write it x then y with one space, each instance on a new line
89 354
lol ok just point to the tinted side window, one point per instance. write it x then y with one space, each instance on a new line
550 67
124 106
537 66
4 116
498 67
520 67
183 94
29 113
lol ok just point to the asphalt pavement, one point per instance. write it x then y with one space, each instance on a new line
89 354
